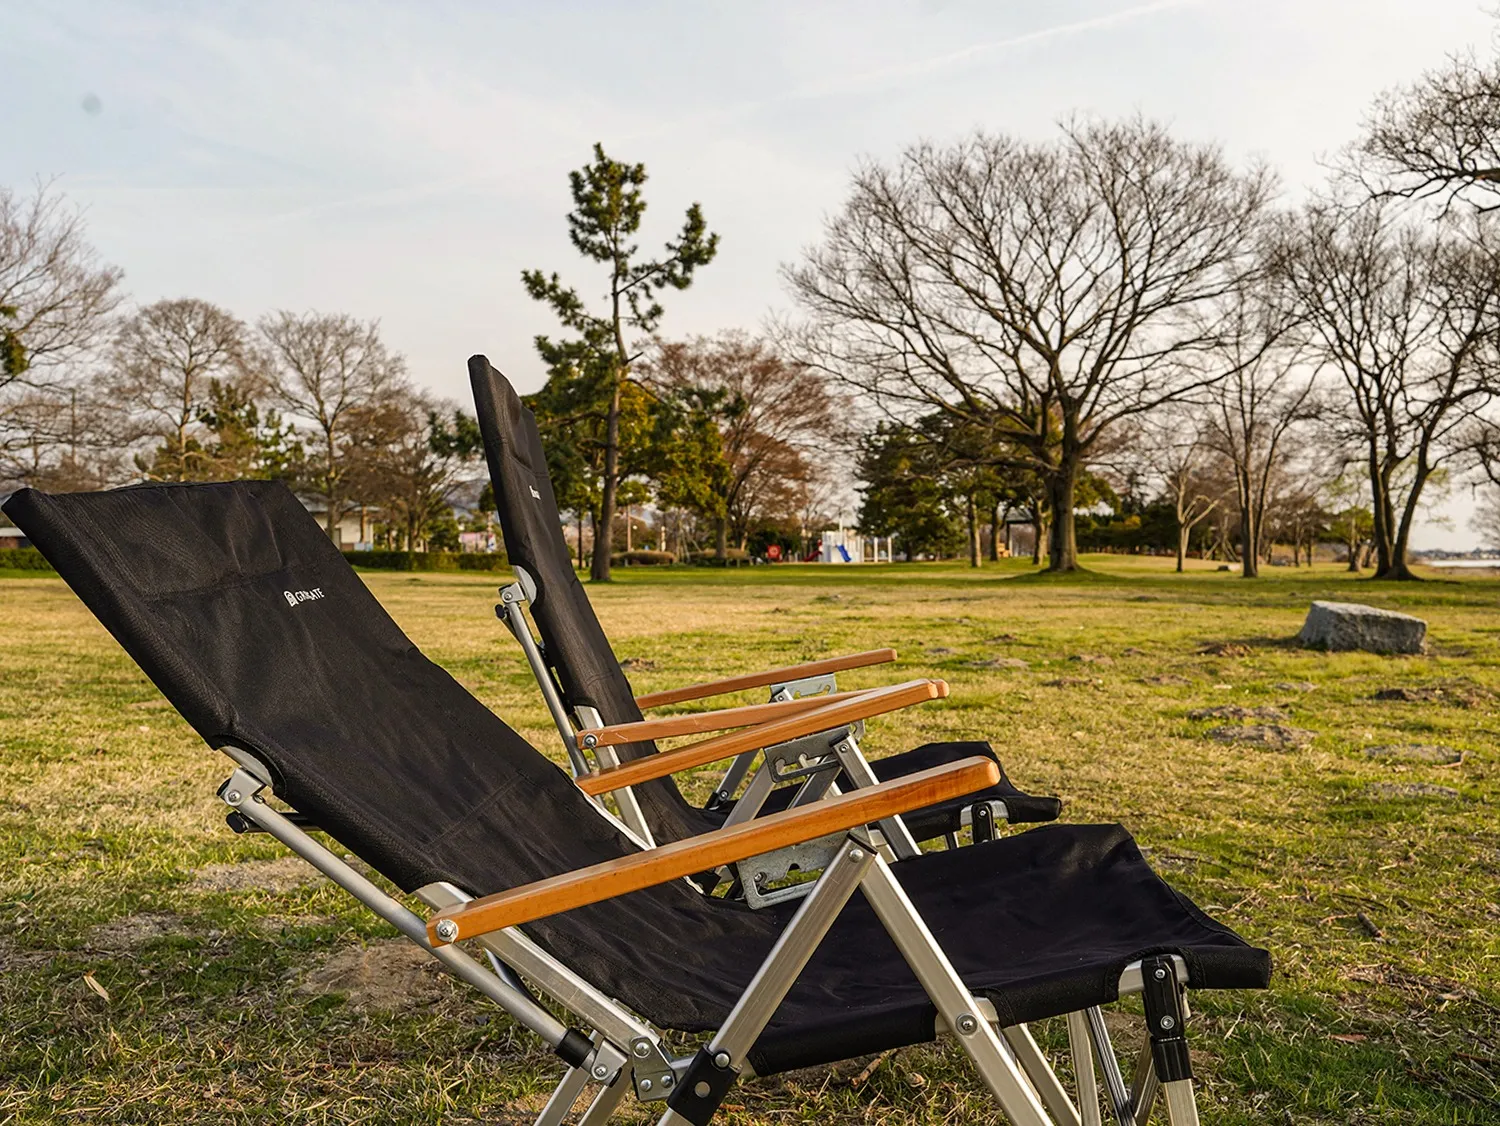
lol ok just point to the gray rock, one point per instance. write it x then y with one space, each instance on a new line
1411 790
1338 626
1234 711
1416 752
1276 736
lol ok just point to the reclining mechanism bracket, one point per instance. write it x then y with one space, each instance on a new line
734 777
759 871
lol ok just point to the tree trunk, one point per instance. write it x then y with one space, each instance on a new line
1380 508
971 512
995 533
1399 568
1249 537
721 538
1183 532
627 528
599 565
330 487
1062 539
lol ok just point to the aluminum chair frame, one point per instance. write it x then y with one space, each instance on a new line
625 1055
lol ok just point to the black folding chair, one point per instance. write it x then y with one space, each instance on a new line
239 609
596 711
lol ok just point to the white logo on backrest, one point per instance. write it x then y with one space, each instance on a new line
295 596
534 492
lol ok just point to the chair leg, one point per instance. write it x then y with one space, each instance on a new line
1182 1105
563 1098
1083 1070
606 1101
714 1070
1166 1024
998 1068
1043 1079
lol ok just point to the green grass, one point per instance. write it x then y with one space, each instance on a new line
108 819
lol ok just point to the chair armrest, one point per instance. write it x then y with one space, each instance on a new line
710 850
770 676
695 723
825 717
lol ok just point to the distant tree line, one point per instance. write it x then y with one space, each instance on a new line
1113 337
1127 341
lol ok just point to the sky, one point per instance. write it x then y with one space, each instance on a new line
407 161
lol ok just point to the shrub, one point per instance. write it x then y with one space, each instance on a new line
642 558
427 560
23 559
735 557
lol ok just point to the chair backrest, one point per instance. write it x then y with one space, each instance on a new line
239 608
576 648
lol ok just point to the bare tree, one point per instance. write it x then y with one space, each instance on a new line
1486 521
1178 452
161 371
1044 292
1438 138
405 453
55 302
1406 315
323 369
1265 395
55 295
773 413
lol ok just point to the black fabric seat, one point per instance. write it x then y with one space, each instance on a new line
579 654
236 605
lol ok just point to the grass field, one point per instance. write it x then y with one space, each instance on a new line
156 968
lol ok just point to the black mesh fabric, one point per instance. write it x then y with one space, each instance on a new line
236 605
580 654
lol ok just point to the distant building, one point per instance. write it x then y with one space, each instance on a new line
355 532
13 538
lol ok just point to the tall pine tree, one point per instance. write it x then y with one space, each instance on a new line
607 210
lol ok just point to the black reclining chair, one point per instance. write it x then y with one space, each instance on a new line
596 710
235 604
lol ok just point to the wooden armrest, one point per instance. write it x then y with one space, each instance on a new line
695 723
770 676
710 850
825 717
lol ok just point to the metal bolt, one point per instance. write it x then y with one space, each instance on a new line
642 1049
1161 973
447 930
232 797
721 1060
967 1025
702 1089
601 1072
666 1081
1168 1023
590 741
856 854
646 1084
